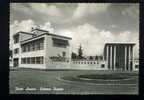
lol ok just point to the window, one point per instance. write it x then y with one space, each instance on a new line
33 45
60 43
37 60
28 47
16 39
16 51
41 60
32 60
41 44
28 60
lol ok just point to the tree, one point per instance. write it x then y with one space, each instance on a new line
80 52
96 57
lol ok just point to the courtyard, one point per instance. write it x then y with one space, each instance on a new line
30 81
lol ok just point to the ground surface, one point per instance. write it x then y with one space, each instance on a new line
54 82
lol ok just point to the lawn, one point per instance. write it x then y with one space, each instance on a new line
28 81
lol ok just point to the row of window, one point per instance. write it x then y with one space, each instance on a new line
33 46
32 60
60 43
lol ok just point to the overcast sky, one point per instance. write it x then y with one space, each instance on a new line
89 24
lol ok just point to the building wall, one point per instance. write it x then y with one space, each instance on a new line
33 54
54 51
36 53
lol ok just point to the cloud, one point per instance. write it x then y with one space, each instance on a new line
91 38
90 8
16 26
26 26
94 39
51 10
47 26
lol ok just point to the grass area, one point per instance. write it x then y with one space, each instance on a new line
112 76
49 79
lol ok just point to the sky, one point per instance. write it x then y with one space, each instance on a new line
89 24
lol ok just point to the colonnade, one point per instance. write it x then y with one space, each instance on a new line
111 57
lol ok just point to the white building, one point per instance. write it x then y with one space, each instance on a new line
36 49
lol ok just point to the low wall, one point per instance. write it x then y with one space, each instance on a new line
79 65
34 66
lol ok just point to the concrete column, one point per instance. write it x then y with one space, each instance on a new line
111 57
125 57
114 57
132 60
107 54
129 57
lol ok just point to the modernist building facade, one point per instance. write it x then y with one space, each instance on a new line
41 49
37 48
119 56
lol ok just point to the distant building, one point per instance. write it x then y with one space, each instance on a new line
37 48
119 56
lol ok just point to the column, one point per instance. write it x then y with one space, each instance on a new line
111 57
133 66
114 57
129 57
107 54
125 57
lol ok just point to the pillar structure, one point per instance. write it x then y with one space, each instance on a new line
125 67
129 67
111 57
107 48
114 57
133 60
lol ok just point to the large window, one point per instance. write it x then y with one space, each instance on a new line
32 60
33 45
60 43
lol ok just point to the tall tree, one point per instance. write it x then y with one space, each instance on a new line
80 52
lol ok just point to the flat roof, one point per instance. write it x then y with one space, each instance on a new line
120 43
23 33
46 34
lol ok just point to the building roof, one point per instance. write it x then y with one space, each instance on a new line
120 43
23 33
46 34
40 30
